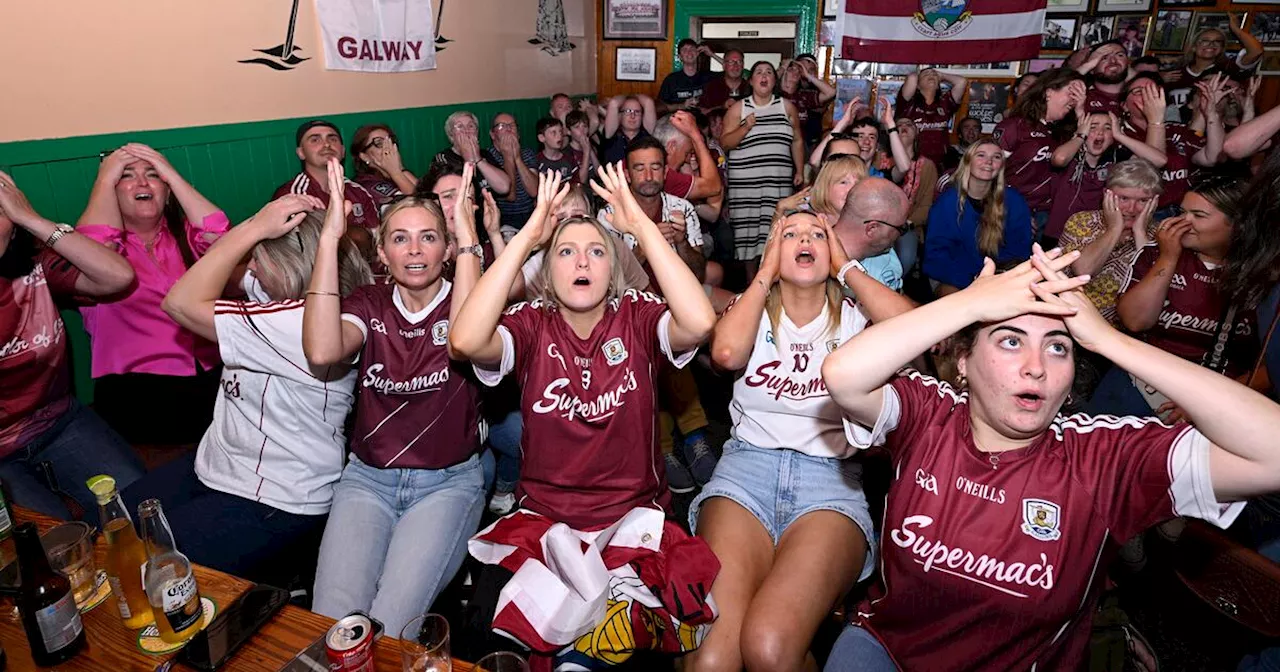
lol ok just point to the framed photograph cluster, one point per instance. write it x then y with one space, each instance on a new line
635 19
1098 6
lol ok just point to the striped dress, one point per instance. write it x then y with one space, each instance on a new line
761 170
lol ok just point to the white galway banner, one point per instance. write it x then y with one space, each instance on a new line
377 35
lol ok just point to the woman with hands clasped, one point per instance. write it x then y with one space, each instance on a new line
262 480
785 511
154 382
1003 512
413 490
41 422
587 358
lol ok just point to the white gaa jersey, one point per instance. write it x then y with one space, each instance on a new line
277 433
779 400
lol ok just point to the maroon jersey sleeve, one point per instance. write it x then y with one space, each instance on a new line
1008 133
1141 266
911 402
1144 472
60 274
650 321
678 184
357 308
518 328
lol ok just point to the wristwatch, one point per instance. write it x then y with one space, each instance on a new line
844 270
473 249
59 231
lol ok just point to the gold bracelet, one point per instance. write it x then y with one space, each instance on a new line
324 294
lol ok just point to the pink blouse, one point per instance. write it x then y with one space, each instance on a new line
133 334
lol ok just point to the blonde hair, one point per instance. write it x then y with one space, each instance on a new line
453 119
432 208
617 282
1189 53
577 195
835 296
1135 173
832 172
291 258
991 226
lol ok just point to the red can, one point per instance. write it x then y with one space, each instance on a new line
349 645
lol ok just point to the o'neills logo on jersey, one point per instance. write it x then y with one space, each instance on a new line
415 385
962 563
559 398
784 386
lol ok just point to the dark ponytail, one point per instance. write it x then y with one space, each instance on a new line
176 219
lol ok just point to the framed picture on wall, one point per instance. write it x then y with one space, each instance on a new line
1171 30
830 7
1042 64
1067 6
1132 30
987 103
1095 30
635 19
1059 33
842 66
636 64
1188 3
1270 64
848 88
1003 69
1266 27
1123 6
887 90
1220 21
895 69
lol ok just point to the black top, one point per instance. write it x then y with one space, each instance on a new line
678 87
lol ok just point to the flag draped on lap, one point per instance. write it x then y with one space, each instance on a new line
950 32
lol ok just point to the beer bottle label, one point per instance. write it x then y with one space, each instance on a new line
121 601
181 603
59 623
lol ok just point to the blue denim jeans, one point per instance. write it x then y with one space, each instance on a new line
395 538
228 532
78 447
503 461
857 650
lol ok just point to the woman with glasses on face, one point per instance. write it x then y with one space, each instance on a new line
379 167
1206 54
463 131
977 216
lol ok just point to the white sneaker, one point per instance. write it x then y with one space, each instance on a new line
502 503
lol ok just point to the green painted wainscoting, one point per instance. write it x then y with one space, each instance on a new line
237 166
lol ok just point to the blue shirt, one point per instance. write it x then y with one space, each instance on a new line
886 268
951 253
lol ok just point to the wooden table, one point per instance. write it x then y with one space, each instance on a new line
112 648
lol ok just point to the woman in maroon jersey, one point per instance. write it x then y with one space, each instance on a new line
1171 300
922 100
1206 53
413 490
917 174
590 535
1003 512
1027 136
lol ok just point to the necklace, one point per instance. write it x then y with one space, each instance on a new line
994 459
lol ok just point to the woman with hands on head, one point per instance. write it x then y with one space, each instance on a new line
262 480
154 381
41 422
787 445
837 141
587 358
1004 510
413 489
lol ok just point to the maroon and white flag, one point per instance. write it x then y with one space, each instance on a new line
952 32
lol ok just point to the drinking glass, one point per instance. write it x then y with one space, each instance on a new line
424 644
70 550
502 661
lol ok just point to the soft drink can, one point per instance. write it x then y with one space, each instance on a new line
349 645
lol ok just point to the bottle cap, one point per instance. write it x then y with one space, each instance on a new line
102 486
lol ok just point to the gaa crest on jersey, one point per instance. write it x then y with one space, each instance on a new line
357 209
615 352
440 332
832 345
1040 519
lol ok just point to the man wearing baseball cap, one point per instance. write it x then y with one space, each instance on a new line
318 141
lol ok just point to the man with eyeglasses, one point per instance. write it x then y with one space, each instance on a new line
721 92
625 119
318 141
507 154
873 218
682 89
